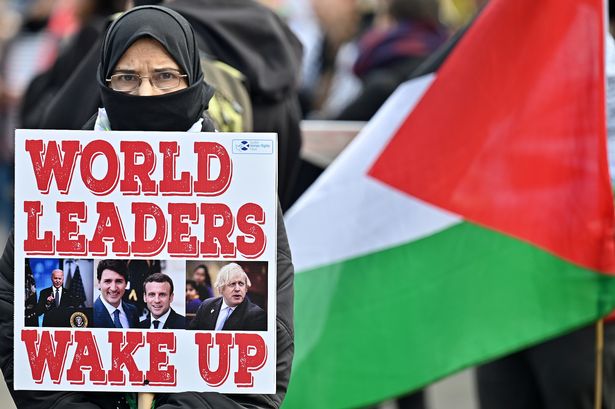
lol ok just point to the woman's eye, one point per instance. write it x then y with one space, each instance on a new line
127 77
165 76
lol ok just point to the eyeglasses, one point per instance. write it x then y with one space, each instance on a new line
127 82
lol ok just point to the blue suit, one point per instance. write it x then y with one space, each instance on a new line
102 319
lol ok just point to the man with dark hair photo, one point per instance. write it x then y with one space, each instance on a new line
158 295
109 309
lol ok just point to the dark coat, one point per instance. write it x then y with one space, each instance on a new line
102 319
253 39
246 317
42 307
174 321
378 85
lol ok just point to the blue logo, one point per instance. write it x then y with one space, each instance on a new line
253 146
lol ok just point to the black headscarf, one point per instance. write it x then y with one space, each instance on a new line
175 111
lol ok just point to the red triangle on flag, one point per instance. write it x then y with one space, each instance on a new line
511 135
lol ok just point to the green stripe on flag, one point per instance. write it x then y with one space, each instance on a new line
379 325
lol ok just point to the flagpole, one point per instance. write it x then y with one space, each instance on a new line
599 350
145 400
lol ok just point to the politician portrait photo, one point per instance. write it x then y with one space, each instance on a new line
240 300
159 294
58 292
110 310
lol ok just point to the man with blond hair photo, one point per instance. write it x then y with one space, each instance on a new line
232 311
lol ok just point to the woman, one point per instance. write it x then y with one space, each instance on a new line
404 34
193 300
139 45
150 76
200 275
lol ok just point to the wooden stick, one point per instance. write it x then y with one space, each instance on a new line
145 400
599 350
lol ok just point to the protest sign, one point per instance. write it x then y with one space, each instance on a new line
119 236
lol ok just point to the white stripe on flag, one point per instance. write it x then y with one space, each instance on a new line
345 214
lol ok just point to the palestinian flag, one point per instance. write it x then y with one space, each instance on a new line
473 216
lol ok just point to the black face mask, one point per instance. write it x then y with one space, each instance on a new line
175 111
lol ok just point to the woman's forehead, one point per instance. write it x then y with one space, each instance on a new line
164 25
146 51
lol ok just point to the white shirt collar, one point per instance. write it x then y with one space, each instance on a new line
162 319
225 306
110 308
224 313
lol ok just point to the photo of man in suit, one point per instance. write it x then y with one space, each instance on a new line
158 296
53 302
109 309
233 311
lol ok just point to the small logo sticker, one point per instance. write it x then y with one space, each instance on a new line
254 146
78 320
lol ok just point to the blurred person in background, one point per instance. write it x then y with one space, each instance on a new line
32 35
92 16
202 281
193 301
329 83
46 25
29 45
404 34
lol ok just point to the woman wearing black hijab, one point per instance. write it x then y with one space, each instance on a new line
153 105
151 48
151 40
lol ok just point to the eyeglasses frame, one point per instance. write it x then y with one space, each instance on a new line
149 77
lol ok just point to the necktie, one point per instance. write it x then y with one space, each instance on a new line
116 319
156 323
221 325
57 297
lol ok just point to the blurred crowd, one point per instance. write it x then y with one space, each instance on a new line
355 52
33 33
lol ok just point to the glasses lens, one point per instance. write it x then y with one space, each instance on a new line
124 82
165 80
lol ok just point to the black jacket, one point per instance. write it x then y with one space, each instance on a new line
48 308
246 317
254 40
